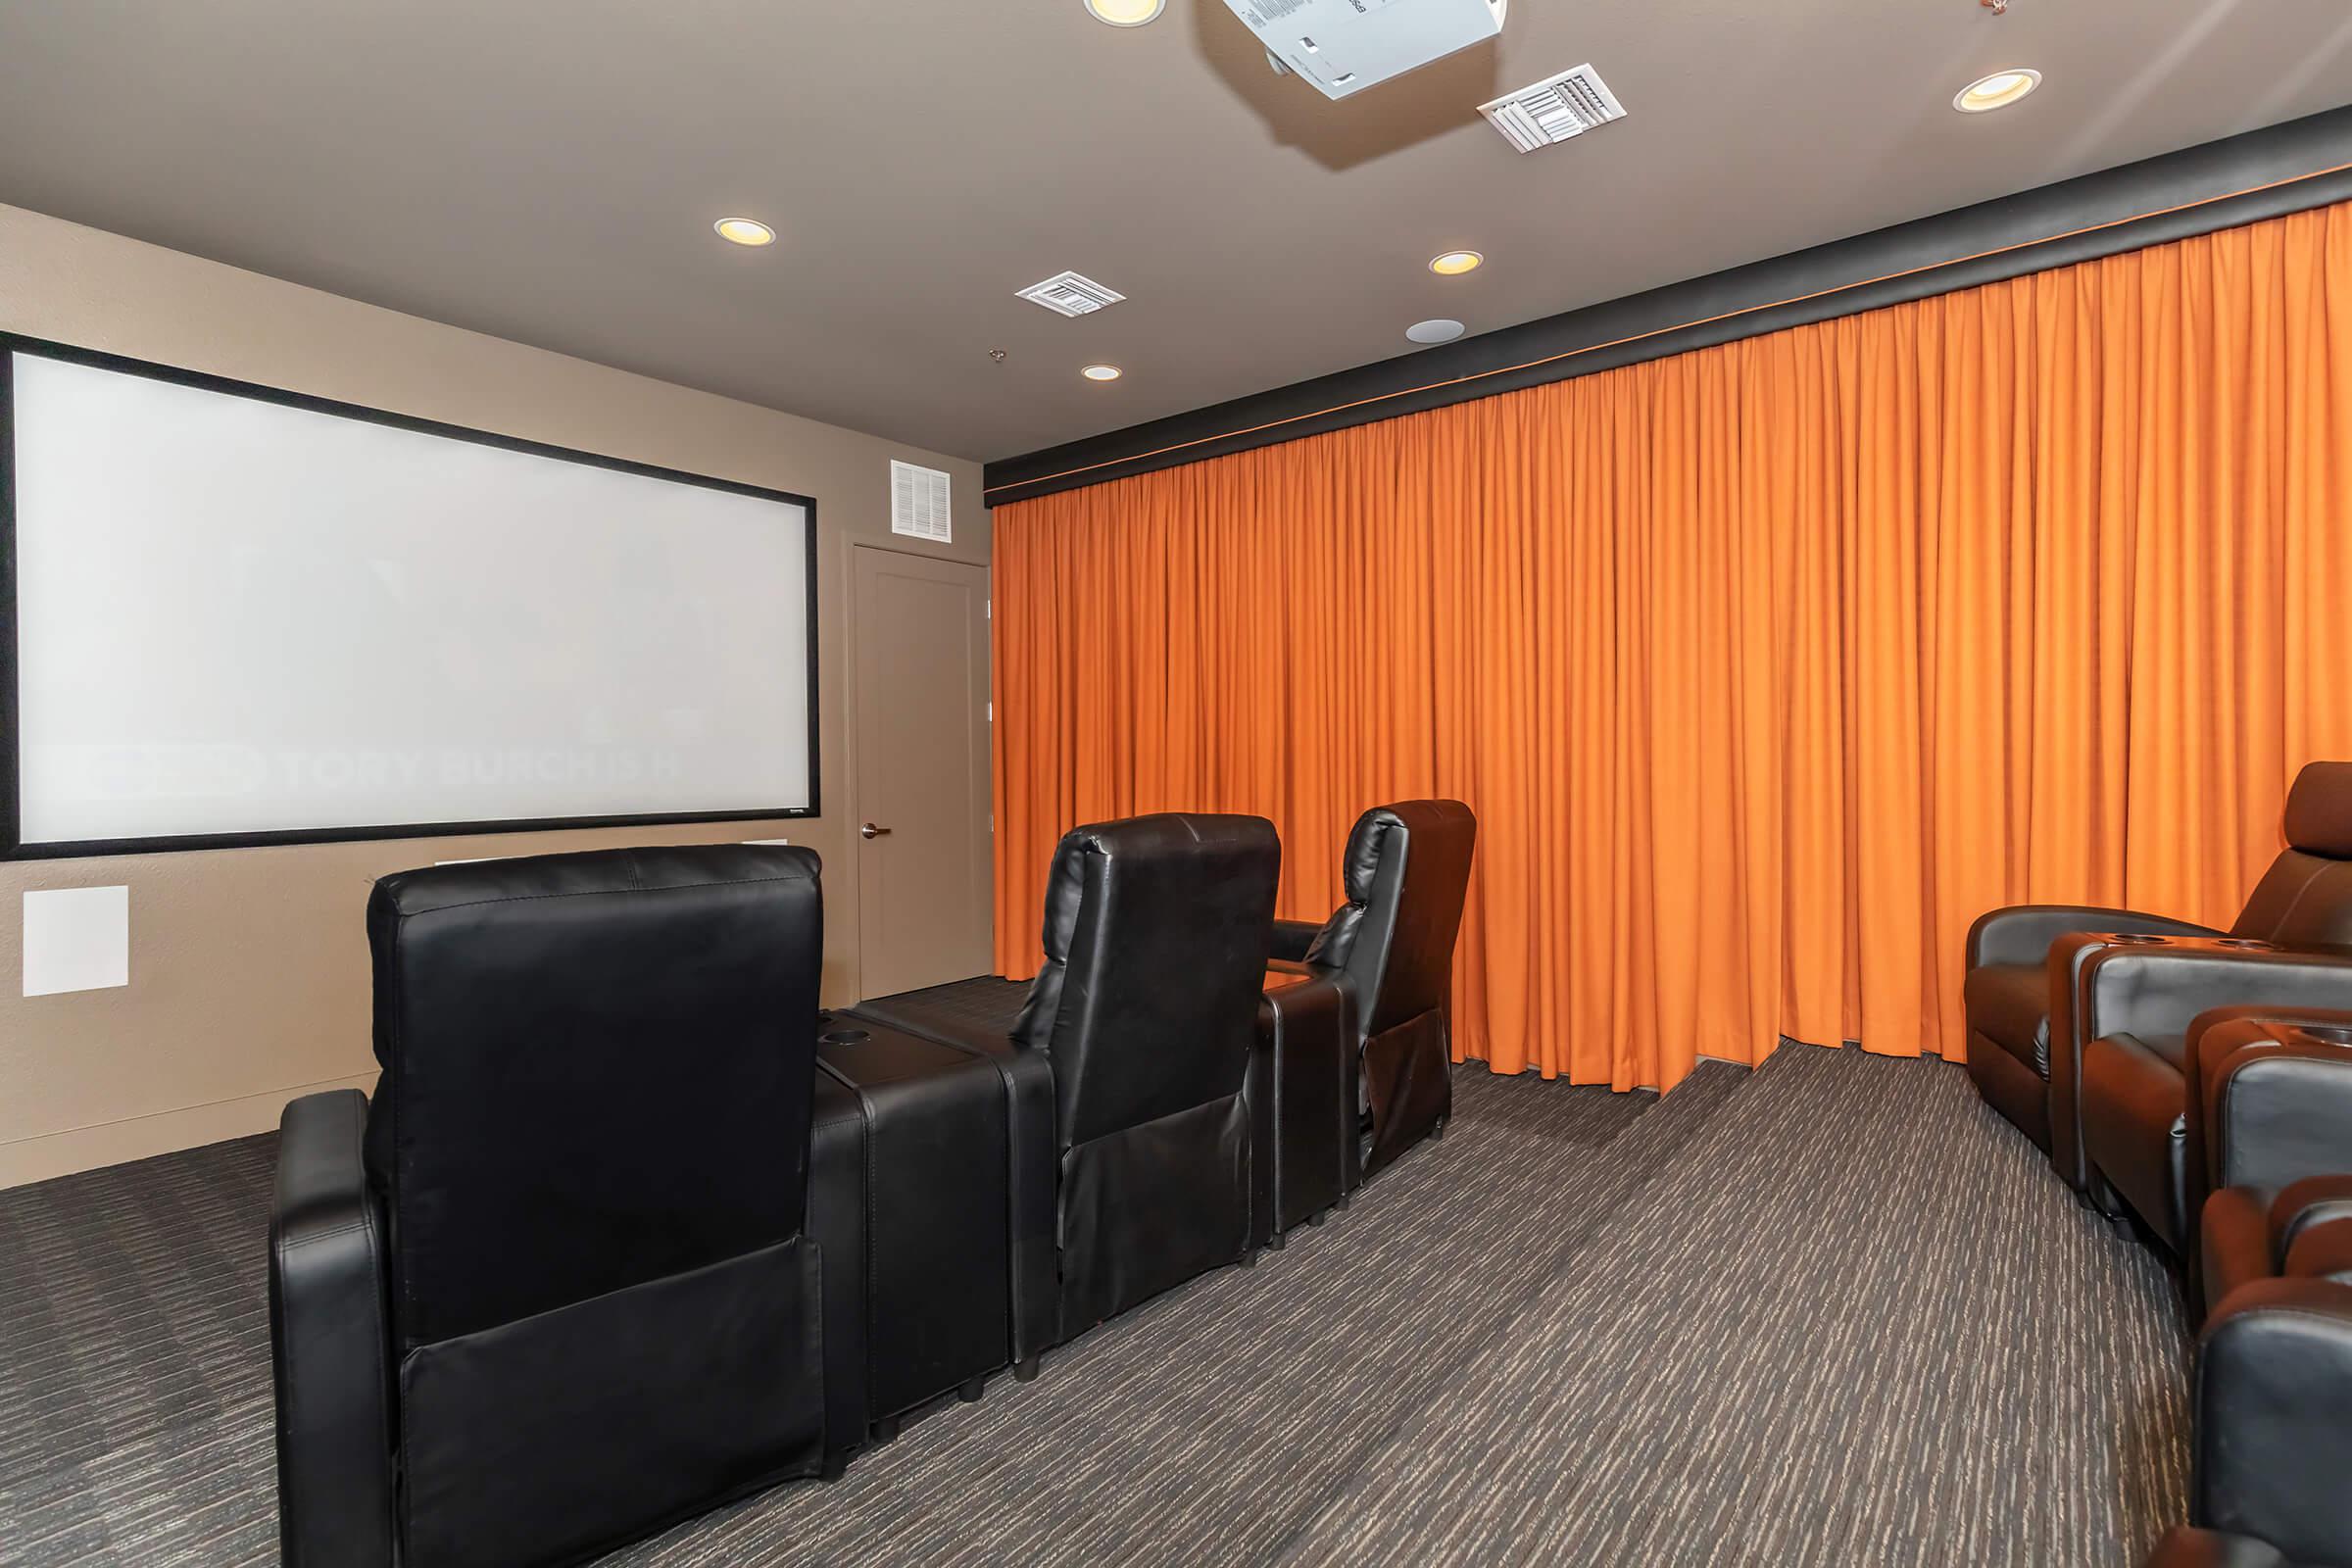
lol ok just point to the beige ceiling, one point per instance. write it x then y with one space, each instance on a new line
548 170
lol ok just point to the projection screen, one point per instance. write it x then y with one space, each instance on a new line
241 616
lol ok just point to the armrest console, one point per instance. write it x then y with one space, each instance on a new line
2272 1100
2070 955
945 1179
1033 1180
2154 986
331 1339
1306 1125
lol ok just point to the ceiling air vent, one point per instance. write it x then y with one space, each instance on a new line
1555 108
1068 294
918 502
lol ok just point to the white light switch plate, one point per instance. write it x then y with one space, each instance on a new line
77 939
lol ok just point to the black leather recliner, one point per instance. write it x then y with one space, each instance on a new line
1406 872
2025 963
553 1288
1129 1068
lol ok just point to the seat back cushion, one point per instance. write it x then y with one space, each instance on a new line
1157 934
597 1072
1406 873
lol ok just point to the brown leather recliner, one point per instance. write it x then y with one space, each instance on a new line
2270 1444
2145 1059
2268 1129
1391 946
2025 968
2269 1108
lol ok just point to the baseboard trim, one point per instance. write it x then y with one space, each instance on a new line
43 1156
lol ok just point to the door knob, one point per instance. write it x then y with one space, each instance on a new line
869 831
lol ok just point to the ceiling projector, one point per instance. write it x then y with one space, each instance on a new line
1343 46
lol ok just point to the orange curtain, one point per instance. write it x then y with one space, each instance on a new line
1766 667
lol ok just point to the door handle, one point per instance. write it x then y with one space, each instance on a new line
869 831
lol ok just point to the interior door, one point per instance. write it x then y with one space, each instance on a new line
923 770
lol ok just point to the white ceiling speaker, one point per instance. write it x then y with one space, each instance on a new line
1341 47
1439 330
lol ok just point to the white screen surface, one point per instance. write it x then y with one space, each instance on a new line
236 618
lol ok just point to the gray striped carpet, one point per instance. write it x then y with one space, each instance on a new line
1832 1312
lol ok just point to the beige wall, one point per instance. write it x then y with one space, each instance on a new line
248 968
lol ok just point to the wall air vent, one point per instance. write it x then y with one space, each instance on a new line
1555 108
918 503
1068 294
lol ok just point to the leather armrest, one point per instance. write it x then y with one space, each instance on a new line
2270 1444
2023 932
2309 1202
1035 1192
2320 1251
836 1221
2154 990
1034 1185
1292 939
2275 1107
1308 1130
2069 955
2184 1547
330 1341
2233 1244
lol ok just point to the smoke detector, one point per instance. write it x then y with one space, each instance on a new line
1071 294
1553 110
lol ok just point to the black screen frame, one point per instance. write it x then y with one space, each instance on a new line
13 846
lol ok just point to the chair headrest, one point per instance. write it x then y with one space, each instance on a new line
1407 870
1436 821
1208 840
2319 810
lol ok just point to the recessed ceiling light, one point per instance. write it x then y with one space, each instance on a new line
1439 330
1100 372
745 231
1453 263
1126 13
1996 91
